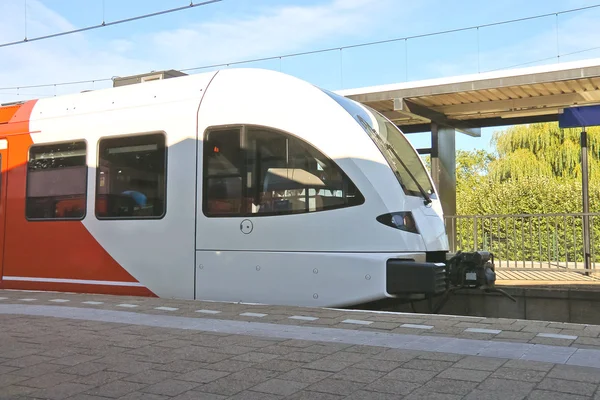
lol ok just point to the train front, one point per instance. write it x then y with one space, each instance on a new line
413 209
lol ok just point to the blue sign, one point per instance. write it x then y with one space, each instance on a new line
577 117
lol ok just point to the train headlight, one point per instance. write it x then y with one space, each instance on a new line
400 220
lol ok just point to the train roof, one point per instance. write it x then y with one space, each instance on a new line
174 89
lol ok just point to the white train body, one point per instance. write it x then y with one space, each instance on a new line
270 193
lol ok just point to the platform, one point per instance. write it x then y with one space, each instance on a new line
533 277
98 347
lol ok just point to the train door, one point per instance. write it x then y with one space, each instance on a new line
3 187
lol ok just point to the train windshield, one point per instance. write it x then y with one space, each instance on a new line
397 150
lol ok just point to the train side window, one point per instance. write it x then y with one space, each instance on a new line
260 171
290 176
223 177
56 181
131 177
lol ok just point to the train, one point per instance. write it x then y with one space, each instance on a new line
236 185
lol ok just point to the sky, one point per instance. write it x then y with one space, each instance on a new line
237 30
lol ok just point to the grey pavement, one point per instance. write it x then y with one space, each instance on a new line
92 347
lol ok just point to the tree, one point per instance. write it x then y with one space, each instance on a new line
544 150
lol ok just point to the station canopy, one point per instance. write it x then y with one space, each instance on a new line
470 102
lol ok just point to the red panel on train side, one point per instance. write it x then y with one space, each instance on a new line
50 250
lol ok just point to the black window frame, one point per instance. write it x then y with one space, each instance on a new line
27 180
243 129
165 179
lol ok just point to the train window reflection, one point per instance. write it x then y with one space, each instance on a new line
259 171
56 181
131 177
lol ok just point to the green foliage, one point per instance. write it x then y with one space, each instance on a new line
537 170
543 149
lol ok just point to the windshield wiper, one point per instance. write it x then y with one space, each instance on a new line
423 192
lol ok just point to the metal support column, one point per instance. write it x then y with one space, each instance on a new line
586 202
443 171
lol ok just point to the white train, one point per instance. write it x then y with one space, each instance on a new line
237 185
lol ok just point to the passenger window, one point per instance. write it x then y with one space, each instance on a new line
131 177
266 172
56 181
223 165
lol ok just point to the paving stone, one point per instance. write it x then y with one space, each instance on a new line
74 359
280 365
100 378
170 387
47 380
131 367
547 395
195 395
491 395
299 356
377 365
202 375
149 376
143 396
532 365
364 349
61 391
481 363
85 369
516 335
254 375
398 355
278 349
519 374
180 366
19 353
280 387
506 386
328 365
336 386
115 389
564 386
425 394
464 374
410 375
10 379
6 369
441 356
429 365
307 395
251 395
27 361
230 365
358 375
450 386
368 395
575 373
226 386
14 391
346 356
305 375
38 370
257 357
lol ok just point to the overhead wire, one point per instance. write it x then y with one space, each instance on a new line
372 43
104 24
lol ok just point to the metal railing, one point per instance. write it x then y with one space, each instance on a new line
529 241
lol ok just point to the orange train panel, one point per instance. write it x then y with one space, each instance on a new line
7 112
51 255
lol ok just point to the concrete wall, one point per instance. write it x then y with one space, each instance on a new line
575 305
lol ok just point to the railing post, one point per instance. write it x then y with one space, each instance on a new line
586 203
474 233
